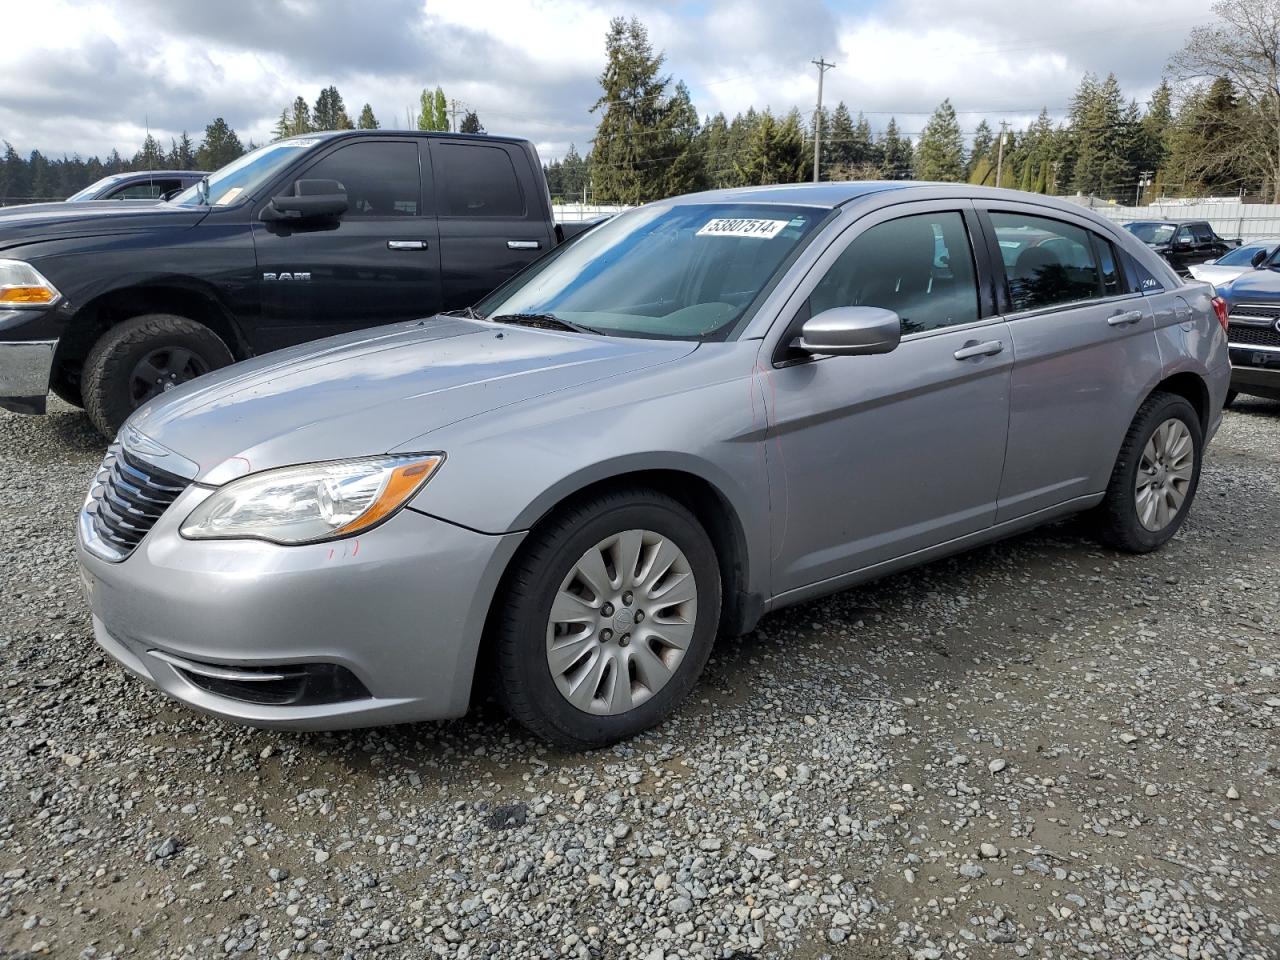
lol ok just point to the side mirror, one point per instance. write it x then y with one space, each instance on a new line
310 200
1258 259
851 331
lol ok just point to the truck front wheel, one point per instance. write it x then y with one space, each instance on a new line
142 358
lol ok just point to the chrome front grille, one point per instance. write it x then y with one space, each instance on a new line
128 496
1253 336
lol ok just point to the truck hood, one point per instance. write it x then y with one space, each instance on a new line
34 222
1252 285
366 393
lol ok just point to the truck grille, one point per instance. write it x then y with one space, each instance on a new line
1269 311
127 498
1238 333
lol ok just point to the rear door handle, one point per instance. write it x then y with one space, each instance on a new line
406 244
1123 319
971 350
524 245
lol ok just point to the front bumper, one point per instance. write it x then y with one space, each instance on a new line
1249 375
401 608
25 366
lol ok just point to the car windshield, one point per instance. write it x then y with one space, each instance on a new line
1243 256
245 176
1152 232
672 271
93 189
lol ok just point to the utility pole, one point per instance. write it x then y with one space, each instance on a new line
823 67
453 115
1004 124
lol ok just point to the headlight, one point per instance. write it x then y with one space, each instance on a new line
312 501
21 285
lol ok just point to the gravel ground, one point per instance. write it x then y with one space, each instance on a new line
1041 748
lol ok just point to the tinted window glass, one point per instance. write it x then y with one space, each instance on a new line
151 190
1047 262
920 267
1112 280
381 178
476 181
1151 232
1202 233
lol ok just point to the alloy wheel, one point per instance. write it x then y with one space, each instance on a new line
1164 474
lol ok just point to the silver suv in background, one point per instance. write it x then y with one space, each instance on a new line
706 409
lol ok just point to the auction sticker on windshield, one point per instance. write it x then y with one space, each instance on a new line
741 227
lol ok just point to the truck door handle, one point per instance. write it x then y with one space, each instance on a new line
406 244
524 245
971 350
1126 318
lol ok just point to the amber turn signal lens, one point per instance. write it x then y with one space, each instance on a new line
403 483
27 295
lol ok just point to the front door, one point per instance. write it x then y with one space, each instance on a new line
378 263
875 457
1085 346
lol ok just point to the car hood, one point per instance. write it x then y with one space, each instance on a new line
366 393
1259 285
57 221
1214 273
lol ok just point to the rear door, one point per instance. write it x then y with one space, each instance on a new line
492 217
1084 348
378 263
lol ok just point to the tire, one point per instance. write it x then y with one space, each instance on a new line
547 568
1123 508
112 380
1231 398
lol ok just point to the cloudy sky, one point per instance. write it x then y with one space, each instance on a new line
90 76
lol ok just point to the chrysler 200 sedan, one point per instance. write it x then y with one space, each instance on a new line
704 410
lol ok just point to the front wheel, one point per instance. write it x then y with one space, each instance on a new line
141 359
1155 477
606 619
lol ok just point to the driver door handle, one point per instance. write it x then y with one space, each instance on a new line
406 244
971 351
1123 319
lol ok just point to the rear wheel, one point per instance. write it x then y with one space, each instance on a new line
606 619
143 358
1155 477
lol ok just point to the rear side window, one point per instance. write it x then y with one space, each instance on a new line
1202 232
920 267
476 181
380 177
1046 262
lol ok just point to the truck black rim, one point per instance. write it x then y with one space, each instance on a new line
163 369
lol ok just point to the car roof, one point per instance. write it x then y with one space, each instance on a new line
381 132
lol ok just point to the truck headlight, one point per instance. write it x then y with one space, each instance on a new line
21 285
311 502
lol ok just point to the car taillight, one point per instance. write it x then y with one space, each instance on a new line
1220 308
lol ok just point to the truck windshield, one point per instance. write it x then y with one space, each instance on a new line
669 271
1153 232
93 189
245 176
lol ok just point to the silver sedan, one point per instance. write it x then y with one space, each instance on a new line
704 410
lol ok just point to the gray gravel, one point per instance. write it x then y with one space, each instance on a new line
1038 749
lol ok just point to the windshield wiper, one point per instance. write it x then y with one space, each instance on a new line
544 321
468 312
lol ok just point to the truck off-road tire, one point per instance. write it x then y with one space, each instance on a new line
1155 477
65 390
606 618
142 358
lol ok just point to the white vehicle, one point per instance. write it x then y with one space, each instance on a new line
1242 259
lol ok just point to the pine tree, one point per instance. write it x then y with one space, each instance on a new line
775 152
471 123
367 120
183 154
716 153
940 154
1204 158
150 157
983 141
220 146
295 120
330 112
896 160
837 147
645 141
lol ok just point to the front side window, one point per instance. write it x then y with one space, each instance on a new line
920 267
1046 262
380 177
1153 233
148 190
245 176
672 271
476 181
1202 232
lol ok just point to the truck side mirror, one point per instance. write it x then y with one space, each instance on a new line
310 200
1258 259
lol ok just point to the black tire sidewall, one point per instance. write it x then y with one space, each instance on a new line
1169 407
526 622
109 367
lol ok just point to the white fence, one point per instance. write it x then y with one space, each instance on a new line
1229 217
577 212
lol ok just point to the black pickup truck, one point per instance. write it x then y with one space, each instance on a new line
298 240
1183 243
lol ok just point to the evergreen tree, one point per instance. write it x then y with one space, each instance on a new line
367 120
471 123
220 146
838 150
295 120
150 157
775 152
714 146
896 160
574 174
330 112
645 143
940 154
1204 158
183 154
983 142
